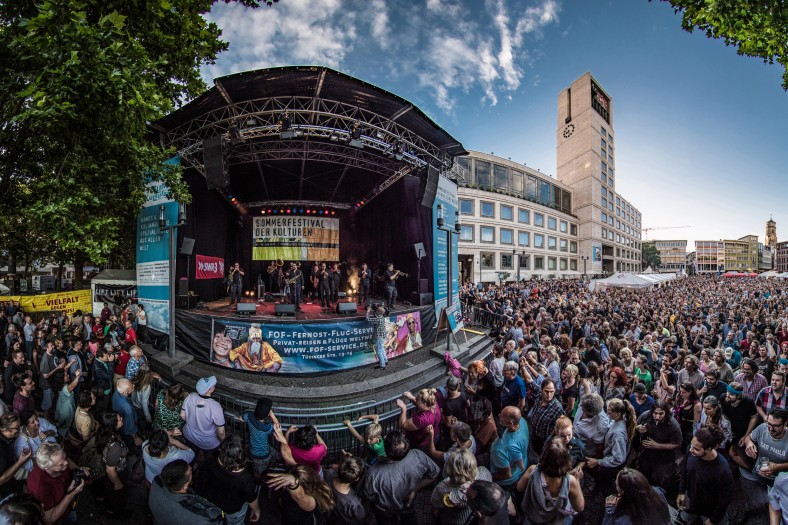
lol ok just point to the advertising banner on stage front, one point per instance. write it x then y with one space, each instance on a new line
153 258
445 206
294 238
209 267
66 302
298 348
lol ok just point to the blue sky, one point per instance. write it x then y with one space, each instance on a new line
700 131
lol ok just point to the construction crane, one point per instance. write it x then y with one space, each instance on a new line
646 230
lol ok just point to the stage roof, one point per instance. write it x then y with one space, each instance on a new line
287 134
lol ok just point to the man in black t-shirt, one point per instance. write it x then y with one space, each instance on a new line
741 412
9 430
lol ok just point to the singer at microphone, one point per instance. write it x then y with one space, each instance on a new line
236 275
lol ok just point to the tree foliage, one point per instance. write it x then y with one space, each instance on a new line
79 82
650 256
758 28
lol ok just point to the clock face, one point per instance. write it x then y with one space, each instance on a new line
568 130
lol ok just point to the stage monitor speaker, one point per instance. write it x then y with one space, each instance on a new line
347 308
421 299
284 309
186 302
431 187
213 160
183 286
419 249
187 246
423 285
246 308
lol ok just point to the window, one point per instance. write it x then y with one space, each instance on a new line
618 224
604 144
551 243
604 190
544 192
482 174
516 182
604 202
551 263
618 238
604 181
531 187
524 216
538 262
525 261
507 237
618 201
562 265
506 261
610 205
538 240
524 238
488 209
507 213
488 234
573 229
604 233
466 206
572 247
563 245
573 265
604 167
501 178
487 260
604 217
610 220
539 220
562 226
465 163
466 232
604 132
552 223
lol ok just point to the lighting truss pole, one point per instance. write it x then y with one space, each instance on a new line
449 269
173 231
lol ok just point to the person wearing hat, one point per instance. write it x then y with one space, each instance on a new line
260 424
641 401
204 427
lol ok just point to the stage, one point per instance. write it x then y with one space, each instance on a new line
266 310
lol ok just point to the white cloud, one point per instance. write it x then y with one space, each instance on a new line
449 47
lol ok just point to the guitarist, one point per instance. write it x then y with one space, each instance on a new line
296 282
391 285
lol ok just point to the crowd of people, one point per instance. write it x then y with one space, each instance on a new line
660 404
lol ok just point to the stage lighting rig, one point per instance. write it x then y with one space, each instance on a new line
355 135
284 127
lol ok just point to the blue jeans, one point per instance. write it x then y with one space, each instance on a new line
46 400
237 518
381 352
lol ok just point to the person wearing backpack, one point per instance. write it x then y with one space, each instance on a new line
172 501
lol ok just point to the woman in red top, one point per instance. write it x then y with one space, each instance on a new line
307 447
427 413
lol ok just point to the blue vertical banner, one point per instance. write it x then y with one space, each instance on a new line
445 206
153 256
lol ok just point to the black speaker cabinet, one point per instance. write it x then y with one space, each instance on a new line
430 187
213 160
183 286
246 308
187 246
284 309
186 302
347 308
421 299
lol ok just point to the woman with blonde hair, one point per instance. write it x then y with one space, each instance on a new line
627 362
570 391
448 497
306 498
476 372
426 413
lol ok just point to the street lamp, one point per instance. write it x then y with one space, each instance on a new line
173 231
584 258
449 232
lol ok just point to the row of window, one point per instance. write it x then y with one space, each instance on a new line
507 262
506 213
506 236
612 236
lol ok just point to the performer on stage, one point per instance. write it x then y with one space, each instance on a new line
378 320
296 282
365 281
273 277
335 282
391 276
314 281
324 285
236 279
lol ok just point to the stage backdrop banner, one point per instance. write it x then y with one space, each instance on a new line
294 238
106 293
446 198
298 348
209 267
153 261
66 302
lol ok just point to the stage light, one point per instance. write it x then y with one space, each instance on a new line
251 122
262 212
301 210
321 212
281 211
288 210
276 211
357 131
235 135
333 212
326 212
269 210
362 203
307 212
284 122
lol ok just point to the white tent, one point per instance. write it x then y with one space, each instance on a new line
770 273
4 289
631 281
109 281
783 275
648 270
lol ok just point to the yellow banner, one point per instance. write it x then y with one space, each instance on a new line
66 302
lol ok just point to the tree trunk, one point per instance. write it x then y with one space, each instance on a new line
79 265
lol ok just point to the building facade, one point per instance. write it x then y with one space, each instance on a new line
672 255
609 227
765 257
516 222
781 257
709 257
740 255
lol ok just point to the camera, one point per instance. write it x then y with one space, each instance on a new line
79 475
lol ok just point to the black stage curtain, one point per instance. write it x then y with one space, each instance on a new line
383 231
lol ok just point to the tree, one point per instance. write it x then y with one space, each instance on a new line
79 83
758 28
650 256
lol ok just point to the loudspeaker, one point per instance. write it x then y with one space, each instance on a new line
347 308
419 249
186 302
246 308
213 160
431 187
421 299
423 285
284 309
183 286
187 246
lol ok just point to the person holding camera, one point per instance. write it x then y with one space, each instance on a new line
55 482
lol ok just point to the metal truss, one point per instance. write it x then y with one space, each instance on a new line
298 204
310 117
